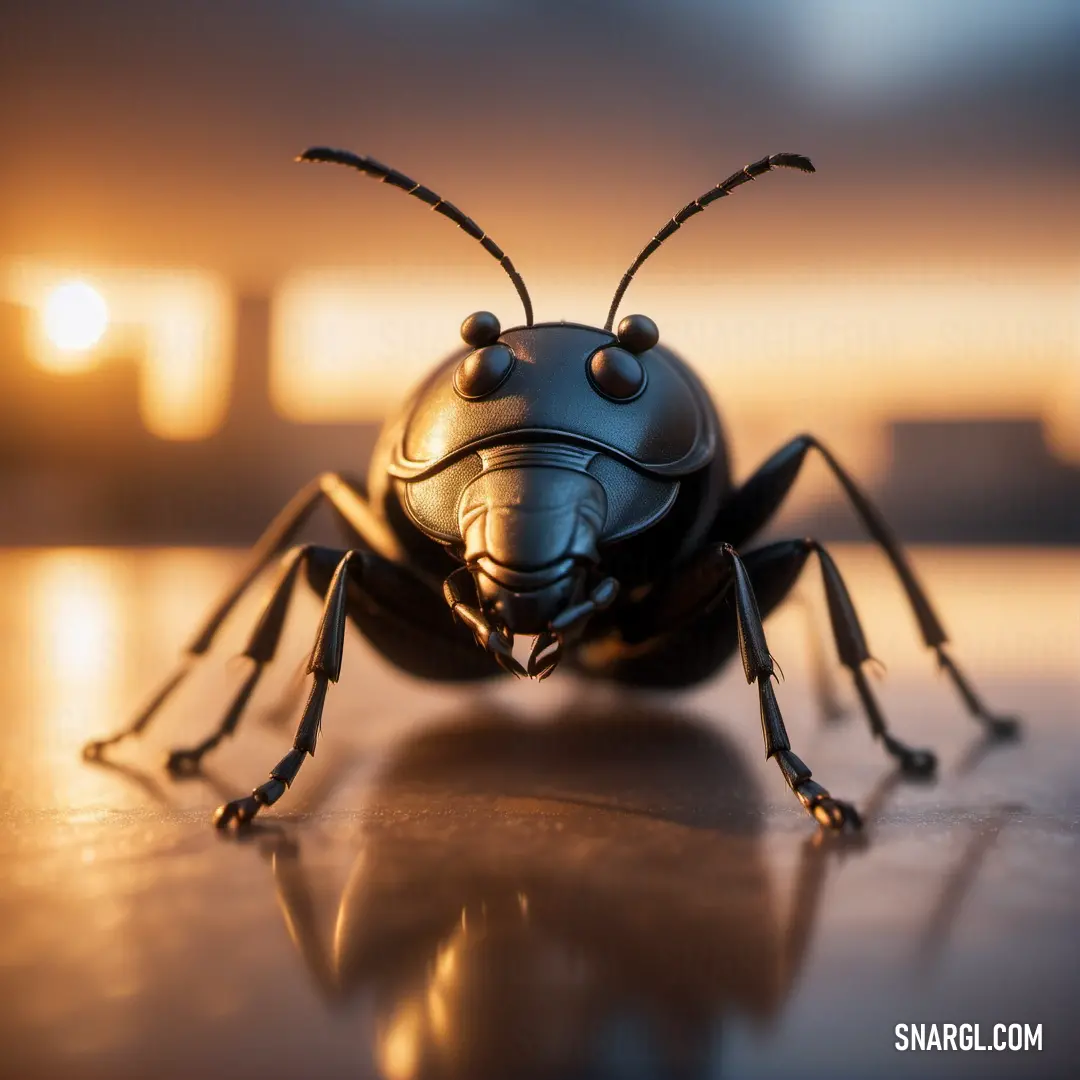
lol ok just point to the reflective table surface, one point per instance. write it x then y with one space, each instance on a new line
529 880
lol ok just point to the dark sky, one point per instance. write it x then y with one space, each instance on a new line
163 131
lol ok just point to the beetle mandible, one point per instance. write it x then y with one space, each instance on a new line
570 483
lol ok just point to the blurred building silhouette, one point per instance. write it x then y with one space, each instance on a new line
973 480
967 481
78 467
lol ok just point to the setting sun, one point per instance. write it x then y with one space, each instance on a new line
75 316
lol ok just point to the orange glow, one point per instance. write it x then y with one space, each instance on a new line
74 319
870 344
347 345
188 359
399 1045
75 629
819 350
177 325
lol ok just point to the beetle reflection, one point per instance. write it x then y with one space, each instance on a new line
586 897
506 923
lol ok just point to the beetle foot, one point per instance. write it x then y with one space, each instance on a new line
1002 727
95 749
495 640
836 814
827 811
997 726
544 658
239 810
183 762
918 762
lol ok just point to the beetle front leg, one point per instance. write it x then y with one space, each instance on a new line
325 668
493 638
758 667
567 626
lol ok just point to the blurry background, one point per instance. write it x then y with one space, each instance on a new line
191 325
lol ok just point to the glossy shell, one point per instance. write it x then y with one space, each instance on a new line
617 374
482 371
669 430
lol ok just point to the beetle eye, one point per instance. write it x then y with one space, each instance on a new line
638 333
483 371
616 373
479 329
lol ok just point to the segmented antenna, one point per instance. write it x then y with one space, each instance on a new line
371 167
749 172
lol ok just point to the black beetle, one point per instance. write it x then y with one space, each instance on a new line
566 482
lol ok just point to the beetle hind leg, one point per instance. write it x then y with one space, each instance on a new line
95 749
851 646
997 725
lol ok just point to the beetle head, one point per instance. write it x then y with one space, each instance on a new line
529 524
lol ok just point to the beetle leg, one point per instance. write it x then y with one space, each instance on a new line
260 649
348 503
830 705
568 625
544 659
272 542
758 667
749 507
493 638
787 555
324 668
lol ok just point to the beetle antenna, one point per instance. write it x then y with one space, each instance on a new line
371 167
749 172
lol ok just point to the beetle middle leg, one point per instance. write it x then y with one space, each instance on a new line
750 506
351 507
683 633
395 611
260 650
773 568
